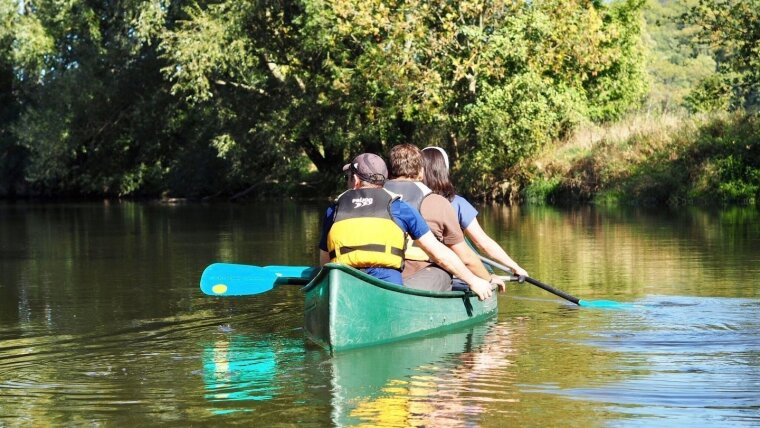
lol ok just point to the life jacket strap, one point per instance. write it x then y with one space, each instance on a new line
399 252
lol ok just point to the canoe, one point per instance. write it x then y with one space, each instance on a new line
346 308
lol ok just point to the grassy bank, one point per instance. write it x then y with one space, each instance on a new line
646 160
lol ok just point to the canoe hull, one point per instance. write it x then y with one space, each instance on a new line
346 309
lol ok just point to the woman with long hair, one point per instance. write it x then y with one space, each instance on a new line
437 179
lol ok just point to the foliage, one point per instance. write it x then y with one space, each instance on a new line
713 93
83 108
705 159
11 157
732 29
676 63
206 97
725 160
337 77
542 190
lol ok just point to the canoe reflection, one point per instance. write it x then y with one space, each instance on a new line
438 380
237 368
431 381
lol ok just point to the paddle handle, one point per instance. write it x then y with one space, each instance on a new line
553 290
535 282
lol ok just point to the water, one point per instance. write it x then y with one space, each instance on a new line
102 323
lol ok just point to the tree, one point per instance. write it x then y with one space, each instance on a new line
676 64
145 97
332 78
732 29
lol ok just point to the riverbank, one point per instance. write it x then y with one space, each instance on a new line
652 160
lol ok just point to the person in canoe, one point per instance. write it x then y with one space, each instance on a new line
436 166
367 227
420 271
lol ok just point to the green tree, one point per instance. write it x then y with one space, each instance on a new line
330 78
676 63
76 65
732 29
143 97
12 155
95 113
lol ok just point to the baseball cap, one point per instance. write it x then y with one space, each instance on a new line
369 167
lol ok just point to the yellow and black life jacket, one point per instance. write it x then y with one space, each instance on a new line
363 233
413 193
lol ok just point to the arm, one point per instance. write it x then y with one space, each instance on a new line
490 247
470 259
473 263
448 260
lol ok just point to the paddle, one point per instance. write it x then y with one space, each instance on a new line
228 279
294 273
584 303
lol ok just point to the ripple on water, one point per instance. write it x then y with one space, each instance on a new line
96 372
687 360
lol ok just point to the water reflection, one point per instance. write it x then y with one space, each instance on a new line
441 380
677 353
236 369
102 323
239 371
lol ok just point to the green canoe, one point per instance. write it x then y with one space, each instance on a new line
346 309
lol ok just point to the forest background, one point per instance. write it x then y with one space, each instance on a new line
650 102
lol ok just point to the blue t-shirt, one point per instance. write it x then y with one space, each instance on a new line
465 211
406 217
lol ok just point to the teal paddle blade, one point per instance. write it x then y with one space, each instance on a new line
604 304
227 279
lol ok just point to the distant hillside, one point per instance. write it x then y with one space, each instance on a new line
676 64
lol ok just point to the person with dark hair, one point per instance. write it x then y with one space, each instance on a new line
367 228
420 271
436 165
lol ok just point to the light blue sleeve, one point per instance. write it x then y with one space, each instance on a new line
465 211
409 219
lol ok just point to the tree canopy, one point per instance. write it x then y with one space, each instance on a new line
195 98
732 29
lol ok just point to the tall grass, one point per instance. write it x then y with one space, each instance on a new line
667 159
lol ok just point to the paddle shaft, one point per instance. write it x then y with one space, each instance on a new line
535 282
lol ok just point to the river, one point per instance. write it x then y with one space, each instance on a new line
102 324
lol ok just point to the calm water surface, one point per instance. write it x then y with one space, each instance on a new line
102 323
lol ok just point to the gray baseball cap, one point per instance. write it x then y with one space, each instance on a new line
369 167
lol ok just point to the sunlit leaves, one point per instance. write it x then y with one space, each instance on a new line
258 82
336 76
196 53
150 20
732 29
32 44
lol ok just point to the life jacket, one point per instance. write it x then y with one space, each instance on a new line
413 193
363 233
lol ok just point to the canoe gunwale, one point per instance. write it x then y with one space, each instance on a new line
382 284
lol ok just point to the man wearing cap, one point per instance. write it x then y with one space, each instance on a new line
367 227
420 270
